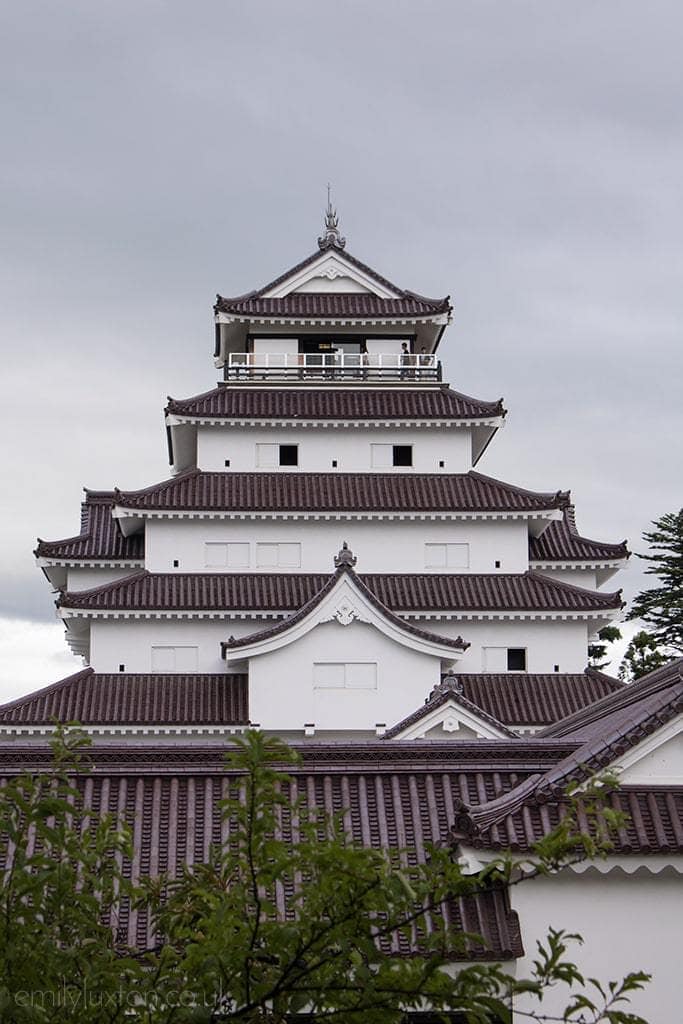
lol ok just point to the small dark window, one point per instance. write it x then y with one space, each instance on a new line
441 463
227 462
289 455
557 668
334 463
516 659
403 454
176 563
122 668
497 563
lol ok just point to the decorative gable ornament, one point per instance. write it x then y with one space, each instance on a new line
332 236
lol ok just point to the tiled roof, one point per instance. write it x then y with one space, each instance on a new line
654 825
560 542
134 699
333 305
603 733
171 797
338 492
622 707
516 699
334 404
100 538
411 300
286 592
286 624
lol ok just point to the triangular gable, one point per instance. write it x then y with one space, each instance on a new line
344 599
657 761
332 270
453 718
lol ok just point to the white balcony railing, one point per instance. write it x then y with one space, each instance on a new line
332 365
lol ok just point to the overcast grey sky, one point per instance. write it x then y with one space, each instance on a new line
525 157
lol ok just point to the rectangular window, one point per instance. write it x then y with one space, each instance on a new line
289 454
167 658
380 456
516 660
267 456
350 675
402 454
447 556
226 556
504 659
278 556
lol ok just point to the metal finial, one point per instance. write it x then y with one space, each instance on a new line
331 236
345 557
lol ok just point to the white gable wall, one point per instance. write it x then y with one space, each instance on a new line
282 695
658 760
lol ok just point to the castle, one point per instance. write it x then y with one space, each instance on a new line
327 560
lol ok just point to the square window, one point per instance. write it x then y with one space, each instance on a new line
227 462
516 659
328 676
361 675
266 456
447 556
403 455
176 563
289 455
380 456
441 463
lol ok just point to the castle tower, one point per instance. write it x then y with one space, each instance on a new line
327 549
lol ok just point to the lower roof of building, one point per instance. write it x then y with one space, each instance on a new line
358 404
222 699
287 592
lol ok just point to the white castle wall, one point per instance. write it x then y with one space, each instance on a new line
548 642
628 922
351 447
380 545
130 642
282 694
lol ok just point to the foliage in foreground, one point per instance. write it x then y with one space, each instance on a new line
289 917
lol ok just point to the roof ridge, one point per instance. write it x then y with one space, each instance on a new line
570 520
67 596
549 581
44 691
561 497
313 602
642 688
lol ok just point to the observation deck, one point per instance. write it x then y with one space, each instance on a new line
337 365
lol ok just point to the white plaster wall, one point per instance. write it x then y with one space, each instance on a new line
282 695
85 578
547 642
585 578
657 764
380 546
129 642
628 923
349 446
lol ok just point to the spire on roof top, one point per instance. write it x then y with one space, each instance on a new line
345 557
331 236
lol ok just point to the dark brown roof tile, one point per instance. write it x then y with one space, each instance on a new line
100 538
334 404
134 699
287 592
339 492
